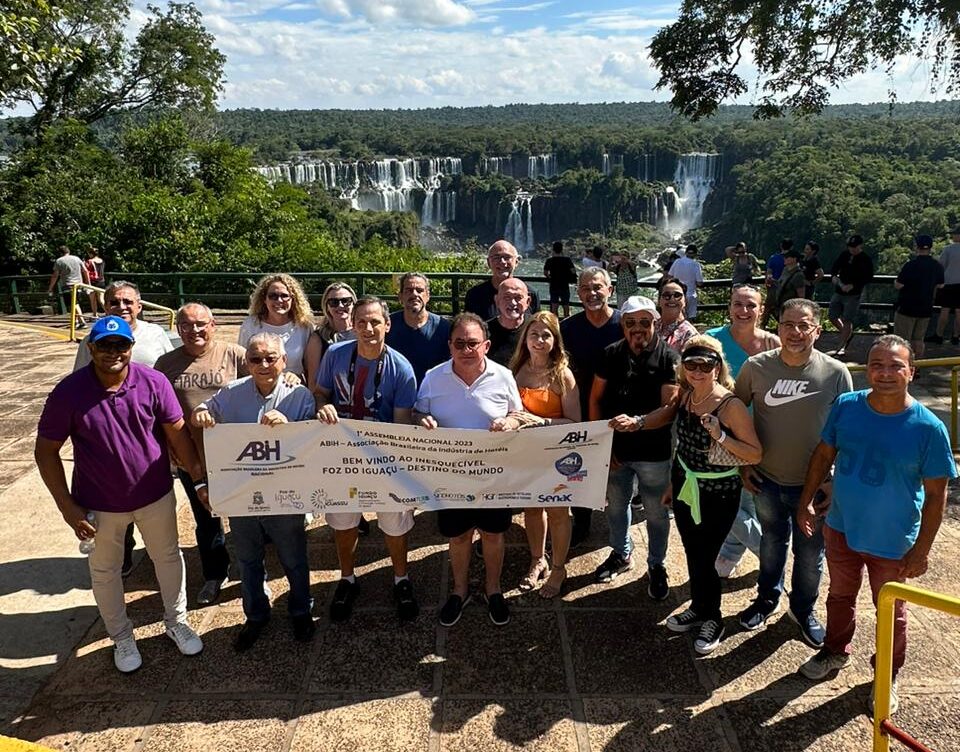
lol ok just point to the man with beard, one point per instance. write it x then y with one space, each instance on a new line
420 336
512 300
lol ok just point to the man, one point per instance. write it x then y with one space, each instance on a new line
366 380
70 270
635 387
792 283
502 258
791 390
948 298
512 300
688 270
850 273
585 335
198 369
917 283
416 333
775 266
120 417
471 391
265 397
892 462
560 273
812 269
745 265
123 299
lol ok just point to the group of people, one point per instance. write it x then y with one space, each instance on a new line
743 437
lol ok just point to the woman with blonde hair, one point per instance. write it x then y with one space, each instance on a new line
548 390
278 305
335 325
715 435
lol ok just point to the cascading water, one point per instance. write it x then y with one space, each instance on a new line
610 162
695 177
646 167
542 166
519 227
496 166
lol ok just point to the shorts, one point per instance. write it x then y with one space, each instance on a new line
560 294
948 296
844 307
455 522
390 523
911 328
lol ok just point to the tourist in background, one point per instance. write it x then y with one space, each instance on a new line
917 284
948 297
744 264
775 265
69 270
278 305
850 273
812 269
688 270
95 271
560 273
792 282
672 325
626 271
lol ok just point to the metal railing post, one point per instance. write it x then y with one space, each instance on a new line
73 312
14 296
181 298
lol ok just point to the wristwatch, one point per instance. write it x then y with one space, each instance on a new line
641 421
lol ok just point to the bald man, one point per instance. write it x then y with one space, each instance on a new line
512 300
502 258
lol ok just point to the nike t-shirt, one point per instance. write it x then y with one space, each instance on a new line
790 408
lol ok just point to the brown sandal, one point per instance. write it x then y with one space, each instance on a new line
554 584
538 570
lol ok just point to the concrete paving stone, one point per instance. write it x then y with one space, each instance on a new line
374 653
649 725
536 725
277 663
401 725
931 719
648 659
204 725
12 471
86 725
19 425
523 656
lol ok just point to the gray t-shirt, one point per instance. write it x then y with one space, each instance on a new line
790 407
950 261
70 269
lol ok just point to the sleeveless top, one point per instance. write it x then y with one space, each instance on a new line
542 402
626 283
693 443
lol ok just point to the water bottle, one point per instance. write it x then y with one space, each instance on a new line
88 544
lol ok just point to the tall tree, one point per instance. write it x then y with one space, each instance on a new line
800 49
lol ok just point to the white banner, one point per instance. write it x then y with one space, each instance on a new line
358 466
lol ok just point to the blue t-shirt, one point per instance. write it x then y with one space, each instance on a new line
775 265
735 355
882 461
425 347
397 385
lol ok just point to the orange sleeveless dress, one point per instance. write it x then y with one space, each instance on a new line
542 402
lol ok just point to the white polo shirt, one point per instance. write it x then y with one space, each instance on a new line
446 397
151 341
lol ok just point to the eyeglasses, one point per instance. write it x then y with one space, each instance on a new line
638 324
113 346
501 259
120 302
468 344
704 366
671 295
278 296
803 327
340 302
268 359
196 326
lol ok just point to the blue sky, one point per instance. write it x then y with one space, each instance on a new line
429 53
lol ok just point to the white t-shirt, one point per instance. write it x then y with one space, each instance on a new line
446 397
294 338
150 342
689 272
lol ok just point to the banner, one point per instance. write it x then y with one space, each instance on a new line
360 466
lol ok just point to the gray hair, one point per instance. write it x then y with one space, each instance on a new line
269 339
120 284
414 275
182 309
594 271
811 307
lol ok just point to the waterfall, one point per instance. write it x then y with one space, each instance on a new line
496 166
519 227
542 166
605 165
694 178
646 167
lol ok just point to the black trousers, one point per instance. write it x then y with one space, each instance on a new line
211 544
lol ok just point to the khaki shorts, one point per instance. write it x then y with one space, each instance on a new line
390 523
910 328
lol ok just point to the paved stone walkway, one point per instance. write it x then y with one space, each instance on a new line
594 670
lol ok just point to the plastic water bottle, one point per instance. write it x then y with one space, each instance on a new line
88 544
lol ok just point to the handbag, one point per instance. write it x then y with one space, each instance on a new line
718 454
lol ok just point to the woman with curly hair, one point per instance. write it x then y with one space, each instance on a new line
548 390
279 305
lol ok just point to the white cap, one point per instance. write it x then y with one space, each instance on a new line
638 303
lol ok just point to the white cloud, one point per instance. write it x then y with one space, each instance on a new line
633 68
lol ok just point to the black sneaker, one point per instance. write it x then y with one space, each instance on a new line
934 339
614 565
453 609
811 630
249 633
711 632
343 598
303 627
684 621
756 614
498 609
657 588
363 528
407 607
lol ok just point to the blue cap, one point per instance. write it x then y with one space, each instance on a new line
111 326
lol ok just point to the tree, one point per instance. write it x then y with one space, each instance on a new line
800 49
25 49
171 63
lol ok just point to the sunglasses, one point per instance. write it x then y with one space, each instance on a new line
278 296
468 344
638 324
671 295
268 359
704 366
340 302
116 346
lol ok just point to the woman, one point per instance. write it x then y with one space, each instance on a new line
336 324
279 305
705 496
626 272
548 391
672 326
95 269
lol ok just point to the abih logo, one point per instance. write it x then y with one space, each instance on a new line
263 453
574 437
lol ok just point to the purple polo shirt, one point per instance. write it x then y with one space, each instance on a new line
119 448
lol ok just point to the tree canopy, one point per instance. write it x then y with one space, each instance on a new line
800 49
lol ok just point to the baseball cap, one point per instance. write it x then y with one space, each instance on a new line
924 241
854 240
637 304
111 326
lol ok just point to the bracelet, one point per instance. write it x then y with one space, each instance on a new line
722 437
200 483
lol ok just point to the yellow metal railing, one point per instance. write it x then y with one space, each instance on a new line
149 306
883 728
954 365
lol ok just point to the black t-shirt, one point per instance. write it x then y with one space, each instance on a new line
634 383
560 271
853 270
502 342
584 343
480 300
810 266
919 277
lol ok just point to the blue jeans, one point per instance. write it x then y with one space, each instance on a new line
777 511
745 532
653 479
288 536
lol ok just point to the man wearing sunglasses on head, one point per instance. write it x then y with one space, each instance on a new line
635 388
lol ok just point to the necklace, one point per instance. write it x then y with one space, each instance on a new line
697 403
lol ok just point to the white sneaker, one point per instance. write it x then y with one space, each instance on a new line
126 655
188 641
725 567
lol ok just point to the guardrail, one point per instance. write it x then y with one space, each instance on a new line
883 727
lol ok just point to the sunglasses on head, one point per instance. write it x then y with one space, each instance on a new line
704 365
